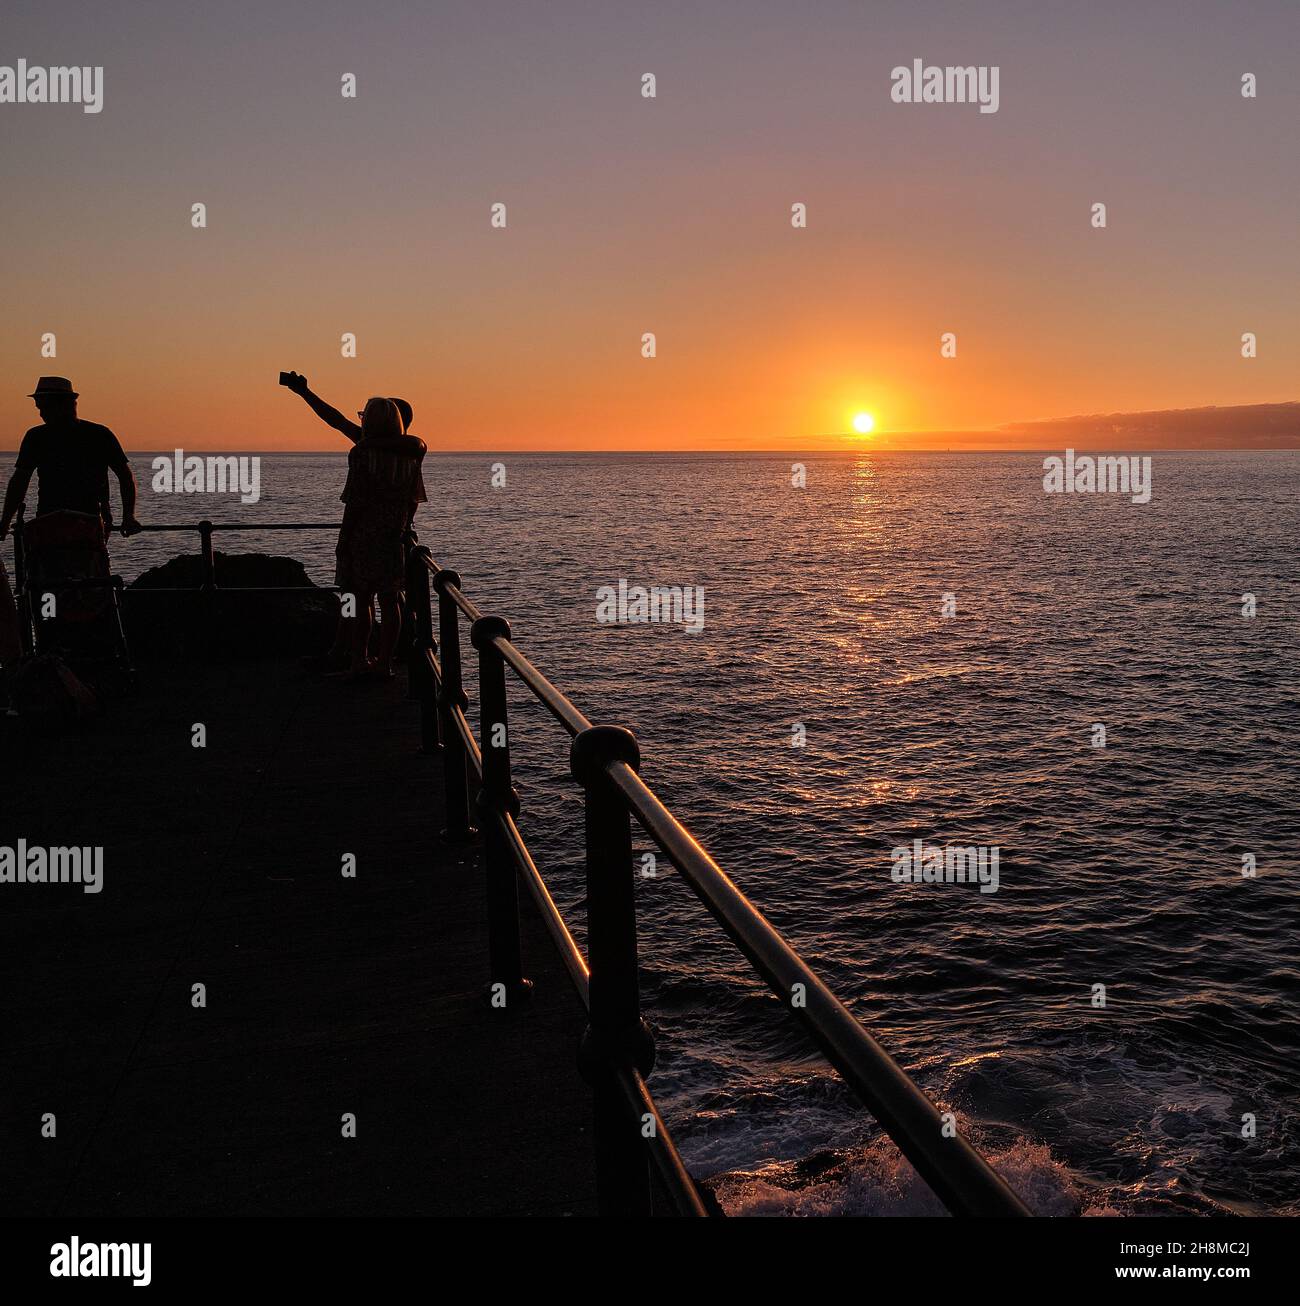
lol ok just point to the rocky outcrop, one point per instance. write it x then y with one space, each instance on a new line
169 616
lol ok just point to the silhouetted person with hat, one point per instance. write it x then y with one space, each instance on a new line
71 459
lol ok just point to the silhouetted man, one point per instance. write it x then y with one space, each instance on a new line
71 459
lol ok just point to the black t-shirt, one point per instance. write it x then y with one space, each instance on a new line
72 461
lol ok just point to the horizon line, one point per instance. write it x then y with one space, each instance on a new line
227 451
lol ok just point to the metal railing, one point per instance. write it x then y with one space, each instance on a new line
29 621
618 1050
207 554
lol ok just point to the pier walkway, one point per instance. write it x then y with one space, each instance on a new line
325 994
238 1024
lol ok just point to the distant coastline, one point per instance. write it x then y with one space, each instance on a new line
1239 428
908 442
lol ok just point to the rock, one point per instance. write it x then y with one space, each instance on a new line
234 621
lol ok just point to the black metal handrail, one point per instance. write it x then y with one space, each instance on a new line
205 530
208 588
618 1049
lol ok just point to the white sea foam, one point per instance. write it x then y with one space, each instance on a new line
879 1180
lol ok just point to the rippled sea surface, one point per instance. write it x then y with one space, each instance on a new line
1119 866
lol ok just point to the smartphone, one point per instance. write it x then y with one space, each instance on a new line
286 378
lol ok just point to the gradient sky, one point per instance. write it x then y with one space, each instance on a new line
626 215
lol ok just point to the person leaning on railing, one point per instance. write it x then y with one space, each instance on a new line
384 487
71 459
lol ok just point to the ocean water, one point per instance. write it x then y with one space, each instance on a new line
1119 866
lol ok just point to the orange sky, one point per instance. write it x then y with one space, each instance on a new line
670 215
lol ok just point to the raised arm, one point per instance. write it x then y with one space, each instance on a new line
328 414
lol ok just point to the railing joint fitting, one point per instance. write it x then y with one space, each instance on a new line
490 804
633 1045
486 629
593 749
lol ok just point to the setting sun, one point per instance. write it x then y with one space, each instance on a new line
863 423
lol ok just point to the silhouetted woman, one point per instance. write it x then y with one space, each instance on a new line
385 474
383 488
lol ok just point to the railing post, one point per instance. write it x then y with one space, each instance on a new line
209 558
616 1036
207 595
455 761
419 674
405 631
496 798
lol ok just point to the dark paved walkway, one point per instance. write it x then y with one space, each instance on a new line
325 995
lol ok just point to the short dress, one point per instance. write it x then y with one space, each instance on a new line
384 487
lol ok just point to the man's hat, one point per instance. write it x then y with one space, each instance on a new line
53 385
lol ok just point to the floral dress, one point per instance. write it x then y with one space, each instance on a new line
383 489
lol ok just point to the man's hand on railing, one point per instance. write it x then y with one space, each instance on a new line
131 526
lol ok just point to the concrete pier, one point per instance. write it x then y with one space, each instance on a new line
326 995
